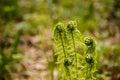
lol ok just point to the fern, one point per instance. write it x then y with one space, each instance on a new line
74 64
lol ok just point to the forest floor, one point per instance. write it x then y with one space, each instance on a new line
34 60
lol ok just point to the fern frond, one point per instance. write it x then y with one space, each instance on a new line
74 38
61 45
60 36
90 57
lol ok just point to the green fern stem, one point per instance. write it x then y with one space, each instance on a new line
67 69
62 45
74 50
68 72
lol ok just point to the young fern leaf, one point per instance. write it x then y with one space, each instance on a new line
74 38
90 44
61 42
90 58
60 36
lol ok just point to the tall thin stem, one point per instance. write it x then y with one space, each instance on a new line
67 69
62 44
74 50
68 72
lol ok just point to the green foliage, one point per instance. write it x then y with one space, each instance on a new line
9 10
109 59
73 65
51 65
9 60
37 16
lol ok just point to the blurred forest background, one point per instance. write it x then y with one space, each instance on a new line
26 39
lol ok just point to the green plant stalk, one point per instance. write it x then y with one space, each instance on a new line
4 60
52 66
68 72
74 51
89 72
16 43
1 67
67 69
62 45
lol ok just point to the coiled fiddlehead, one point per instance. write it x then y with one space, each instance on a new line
90 58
